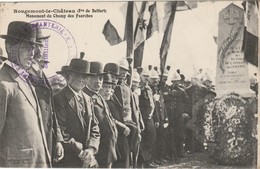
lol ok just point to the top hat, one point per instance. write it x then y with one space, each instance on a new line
21 31
39 35
79 66
96 68
1 55
112 68
107 79
64 69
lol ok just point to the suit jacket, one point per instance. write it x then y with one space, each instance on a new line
80 131
123 93
45 96
108 130
146 102
22 137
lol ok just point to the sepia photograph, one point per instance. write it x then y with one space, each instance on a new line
129 84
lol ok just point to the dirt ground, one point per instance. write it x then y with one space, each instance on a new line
200 161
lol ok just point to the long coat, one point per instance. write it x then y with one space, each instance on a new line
122 141
146 104
108 130
45 96
22 137
79 131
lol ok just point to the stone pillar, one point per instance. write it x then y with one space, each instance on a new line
232 70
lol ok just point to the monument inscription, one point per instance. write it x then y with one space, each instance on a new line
232 70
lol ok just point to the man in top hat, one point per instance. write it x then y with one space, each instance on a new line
107 148
77 119
146 104
45 96
22 137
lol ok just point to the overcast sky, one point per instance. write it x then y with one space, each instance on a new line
192 45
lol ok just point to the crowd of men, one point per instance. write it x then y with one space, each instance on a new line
104 116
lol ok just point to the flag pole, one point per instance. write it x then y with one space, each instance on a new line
167 39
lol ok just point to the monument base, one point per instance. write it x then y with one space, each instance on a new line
245 93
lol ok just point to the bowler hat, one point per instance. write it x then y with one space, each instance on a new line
112 68
79 66
96 68
21 31
39 35
64 69
107 79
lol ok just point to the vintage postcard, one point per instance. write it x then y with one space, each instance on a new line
213 42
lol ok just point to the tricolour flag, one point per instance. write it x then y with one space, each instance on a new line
250 42
167 36
111 34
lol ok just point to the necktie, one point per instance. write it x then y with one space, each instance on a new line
81 104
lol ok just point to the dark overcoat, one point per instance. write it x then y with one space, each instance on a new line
108 130
75 127
45 96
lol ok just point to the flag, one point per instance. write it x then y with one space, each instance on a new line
129 37
140 27
139 37
111 34
250 41
186 5
153 22
167 36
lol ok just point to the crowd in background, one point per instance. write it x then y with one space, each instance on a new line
96 115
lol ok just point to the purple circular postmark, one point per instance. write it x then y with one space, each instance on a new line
43 49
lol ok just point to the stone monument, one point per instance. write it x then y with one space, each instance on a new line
232 70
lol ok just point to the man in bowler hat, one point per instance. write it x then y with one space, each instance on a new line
107 148
76 118
22 137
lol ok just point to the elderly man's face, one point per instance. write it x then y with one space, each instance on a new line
25 54
106 90
77 81
95 82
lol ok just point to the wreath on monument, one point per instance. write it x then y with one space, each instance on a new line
230 128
